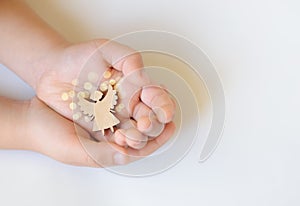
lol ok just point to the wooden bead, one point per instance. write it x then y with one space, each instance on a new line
112 82
83 94
107 74
64 96
87 86
71 94
93 77
73 106
103 87
76 116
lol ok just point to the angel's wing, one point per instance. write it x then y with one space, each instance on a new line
86 107
110 98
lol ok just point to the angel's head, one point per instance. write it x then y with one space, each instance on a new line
96 96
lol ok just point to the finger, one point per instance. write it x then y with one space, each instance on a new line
108 154
134 138
147 122
130 87
129 134
121 57
159 101
120 138
129 96
154 144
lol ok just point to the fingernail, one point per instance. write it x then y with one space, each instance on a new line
160 114
119 159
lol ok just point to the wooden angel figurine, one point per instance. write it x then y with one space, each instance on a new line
101 110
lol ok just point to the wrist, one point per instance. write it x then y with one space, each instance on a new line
27 42
30 125
13 122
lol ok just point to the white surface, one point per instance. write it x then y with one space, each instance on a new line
255 47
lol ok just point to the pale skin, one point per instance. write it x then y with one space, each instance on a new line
49 63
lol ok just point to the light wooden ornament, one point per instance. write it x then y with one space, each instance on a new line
101 110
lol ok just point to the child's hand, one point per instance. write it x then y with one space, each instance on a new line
55 136
39 55
137 123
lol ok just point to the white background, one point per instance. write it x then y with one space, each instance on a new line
255 46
